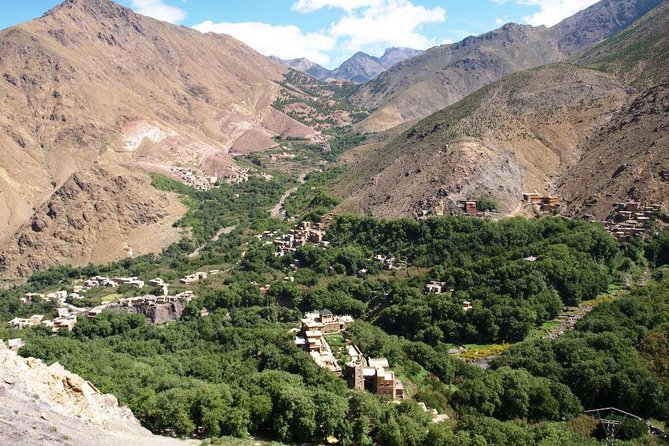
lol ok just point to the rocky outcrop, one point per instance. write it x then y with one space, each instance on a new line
95 216
157 313
49 406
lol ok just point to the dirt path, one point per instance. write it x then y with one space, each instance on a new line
278 210
215 238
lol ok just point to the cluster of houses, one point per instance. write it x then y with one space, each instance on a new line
372 375
631 220
311 336
65 321
305 232
194 180
106 282
56 296
390 263
546 203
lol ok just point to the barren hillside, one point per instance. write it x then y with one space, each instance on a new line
443 75
639 54
92 83
515 135
628 159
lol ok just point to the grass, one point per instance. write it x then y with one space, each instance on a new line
476 352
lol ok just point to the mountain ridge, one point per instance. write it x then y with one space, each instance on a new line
359 68
445 74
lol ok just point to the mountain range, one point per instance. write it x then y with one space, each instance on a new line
359 68
445 74
593 137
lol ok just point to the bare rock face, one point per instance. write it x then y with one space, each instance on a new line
91 218
158 314
49 406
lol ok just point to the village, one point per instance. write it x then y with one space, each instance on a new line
372 375
631 219
199 181
305 232
158 309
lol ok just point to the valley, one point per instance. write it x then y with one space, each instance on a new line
465 246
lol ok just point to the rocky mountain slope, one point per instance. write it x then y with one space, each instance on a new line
47 405
593 138
92 83
513 136
359 68
93 216
639 54
445 74
628 159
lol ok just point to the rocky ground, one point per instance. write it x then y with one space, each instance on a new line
47 405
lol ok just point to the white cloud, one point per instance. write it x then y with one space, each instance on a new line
363 25
389 23
158 10
285 41
306 6
554 11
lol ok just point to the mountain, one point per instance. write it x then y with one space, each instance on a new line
626 160
393 56
305 66
639 54
591 137
99 92
359 68
445 74
512 136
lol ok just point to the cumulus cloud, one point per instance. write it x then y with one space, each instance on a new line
552 12
362 25
158 9
390 23
284 41
306 6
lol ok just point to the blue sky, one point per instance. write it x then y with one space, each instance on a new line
330 31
